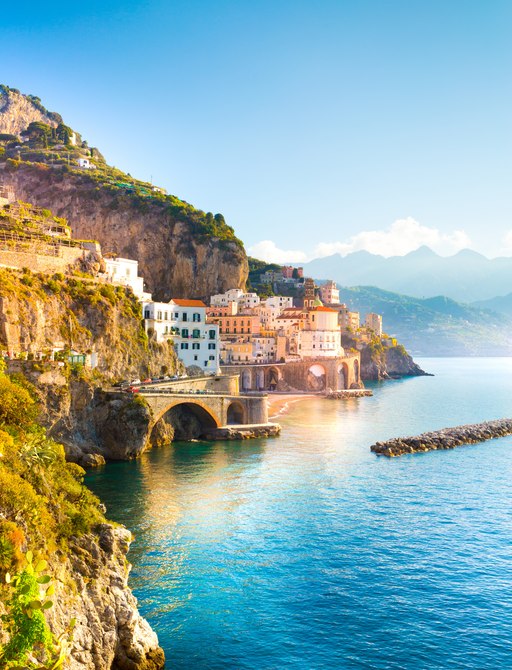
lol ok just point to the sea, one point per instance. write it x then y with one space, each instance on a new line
308 551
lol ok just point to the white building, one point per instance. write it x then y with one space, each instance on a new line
263 349
236 295
329 293
374 322
85 164
321 335
184 322
279 302
125 271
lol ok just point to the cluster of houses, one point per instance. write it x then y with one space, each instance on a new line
238 328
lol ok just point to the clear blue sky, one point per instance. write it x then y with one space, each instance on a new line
302 122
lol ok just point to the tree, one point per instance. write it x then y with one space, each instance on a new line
295 273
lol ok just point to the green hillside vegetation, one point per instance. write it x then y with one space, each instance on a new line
434 326
44 507
45 147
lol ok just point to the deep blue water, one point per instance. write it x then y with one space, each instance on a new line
308 551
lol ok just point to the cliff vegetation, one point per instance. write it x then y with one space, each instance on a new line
48 513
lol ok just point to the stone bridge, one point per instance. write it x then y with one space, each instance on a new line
313 374
212 411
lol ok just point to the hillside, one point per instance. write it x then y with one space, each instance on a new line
435 326
182 251
501 304
466 277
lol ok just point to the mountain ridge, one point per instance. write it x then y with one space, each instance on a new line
466 276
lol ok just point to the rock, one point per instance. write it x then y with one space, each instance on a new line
447 438
91 460
109 631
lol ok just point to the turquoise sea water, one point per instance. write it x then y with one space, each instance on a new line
308 551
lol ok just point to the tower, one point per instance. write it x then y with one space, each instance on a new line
309 292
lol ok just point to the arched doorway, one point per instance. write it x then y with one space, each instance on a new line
184 421
236 413
273 378
316 378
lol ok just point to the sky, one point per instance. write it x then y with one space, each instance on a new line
315 127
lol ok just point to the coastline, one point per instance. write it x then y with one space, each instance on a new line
279 403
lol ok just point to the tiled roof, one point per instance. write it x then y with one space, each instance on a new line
188 303
322 309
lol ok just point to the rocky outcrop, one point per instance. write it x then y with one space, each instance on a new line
448 438
240 433
380 362
109 631
38 313
177 257
348 393
17 111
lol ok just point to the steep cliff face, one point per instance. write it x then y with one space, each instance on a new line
176 258
182 251
41 312
38 313
17 111
381 362
388 363
109 631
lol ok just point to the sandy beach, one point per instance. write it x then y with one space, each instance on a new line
279 403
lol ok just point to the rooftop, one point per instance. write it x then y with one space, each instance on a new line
188 303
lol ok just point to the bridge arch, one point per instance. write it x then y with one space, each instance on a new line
316 378
235 413
273 378
183 420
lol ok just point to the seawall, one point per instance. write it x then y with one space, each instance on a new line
447 438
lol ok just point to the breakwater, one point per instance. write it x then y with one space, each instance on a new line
348 393
447 438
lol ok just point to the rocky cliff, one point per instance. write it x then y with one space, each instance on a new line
109 631
38 312
17 111
182 251
382 362
46 512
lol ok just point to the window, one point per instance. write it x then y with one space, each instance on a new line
165 316
196 317
159 315
184 332
196 333
184 345
212 334
212 358
195 357
195 345
211 345
185 316
147 314
176 315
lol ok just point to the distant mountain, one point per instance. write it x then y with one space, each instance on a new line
501 304
466 277
436 326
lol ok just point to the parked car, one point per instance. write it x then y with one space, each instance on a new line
135 381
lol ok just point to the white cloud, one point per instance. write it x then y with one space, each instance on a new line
403 236
267 250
